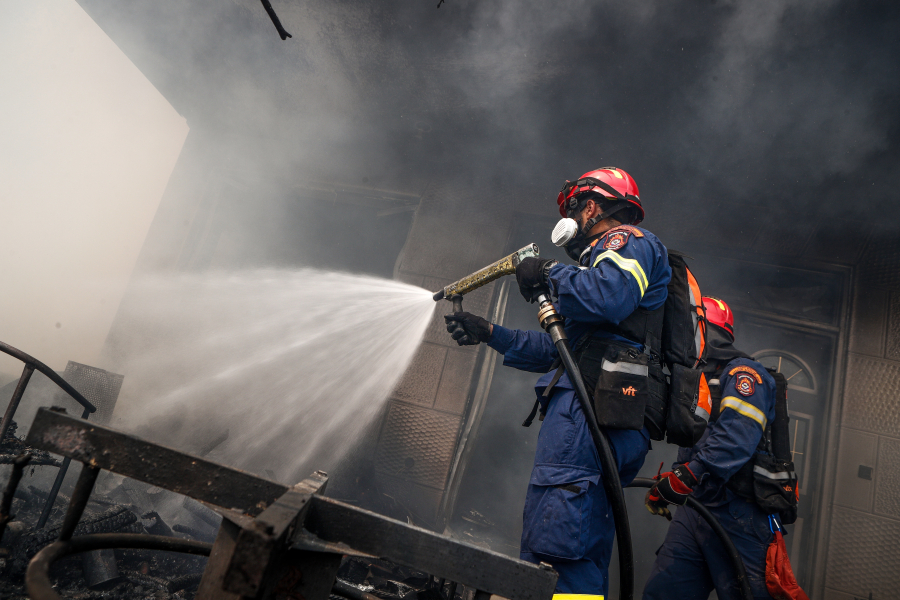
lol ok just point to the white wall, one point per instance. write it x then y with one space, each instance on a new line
87 145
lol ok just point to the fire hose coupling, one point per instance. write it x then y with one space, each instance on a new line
548 317
505 266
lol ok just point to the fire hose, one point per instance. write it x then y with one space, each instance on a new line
552 323
737 562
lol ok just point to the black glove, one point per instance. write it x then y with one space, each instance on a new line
468 329
673 487
531 275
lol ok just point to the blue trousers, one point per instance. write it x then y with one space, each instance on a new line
567 519
692 561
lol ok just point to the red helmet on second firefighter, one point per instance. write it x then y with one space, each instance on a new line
718 313
593 181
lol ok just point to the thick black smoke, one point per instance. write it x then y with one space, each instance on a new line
786 109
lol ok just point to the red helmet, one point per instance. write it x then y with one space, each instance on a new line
608 181
718 313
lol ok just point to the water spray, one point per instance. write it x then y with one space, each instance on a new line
552 322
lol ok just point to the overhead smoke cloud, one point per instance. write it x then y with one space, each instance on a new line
776 103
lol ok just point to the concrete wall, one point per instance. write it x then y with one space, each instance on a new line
863 540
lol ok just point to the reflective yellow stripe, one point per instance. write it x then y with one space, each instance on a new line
577 597
627 264
744 408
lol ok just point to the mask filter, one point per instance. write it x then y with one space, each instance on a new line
564 232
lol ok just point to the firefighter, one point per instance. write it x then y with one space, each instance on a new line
614 296
692 561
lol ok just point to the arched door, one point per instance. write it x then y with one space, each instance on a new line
805 356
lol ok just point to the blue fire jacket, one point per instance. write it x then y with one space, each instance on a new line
748 405
691 559
567 521
627 268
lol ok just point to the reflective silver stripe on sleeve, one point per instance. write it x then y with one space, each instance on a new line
624 367
701 412
771 475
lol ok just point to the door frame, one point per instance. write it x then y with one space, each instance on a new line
815 531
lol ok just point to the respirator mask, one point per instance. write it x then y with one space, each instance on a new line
568 235
573 238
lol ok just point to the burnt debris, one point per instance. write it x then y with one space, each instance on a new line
11 448
142 518
101 573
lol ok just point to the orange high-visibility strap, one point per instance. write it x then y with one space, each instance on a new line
704 402
701 325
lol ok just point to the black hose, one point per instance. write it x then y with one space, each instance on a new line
735 556
611 483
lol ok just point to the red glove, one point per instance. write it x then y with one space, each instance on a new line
673 487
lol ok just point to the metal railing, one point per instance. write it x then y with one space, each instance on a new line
31 365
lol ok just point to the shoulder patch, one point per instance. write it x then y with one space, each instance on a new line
742 369
744 384
616 238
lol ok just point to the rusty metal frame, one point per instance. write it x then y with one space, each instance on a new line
275 539
32 364
105 448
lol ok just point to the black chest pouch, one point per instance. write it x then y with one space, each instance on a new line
619 376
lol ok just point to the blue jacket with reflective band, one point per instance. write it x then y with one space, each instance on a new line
567 520
691 558
747 406
611 283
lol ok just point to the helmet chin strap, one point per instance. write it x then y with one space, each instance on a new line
580 243
591 222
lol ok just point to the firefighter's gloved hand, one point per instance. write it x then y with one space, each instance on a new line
673 487
468 329
532 276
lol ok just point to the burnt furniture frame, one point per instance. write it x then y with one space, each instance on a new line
273 539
